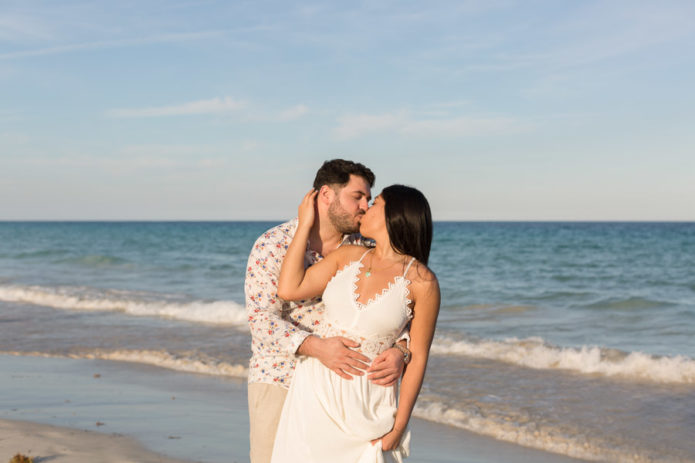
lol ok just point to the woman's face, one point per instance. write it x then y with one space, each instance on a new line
374 221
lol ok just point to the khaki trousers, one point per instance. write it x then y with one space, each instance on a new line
265 406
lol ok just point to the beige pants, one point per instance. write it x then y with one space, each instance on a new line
265 406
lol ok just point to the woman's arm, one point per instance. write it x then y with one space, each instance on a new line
426 297
296 283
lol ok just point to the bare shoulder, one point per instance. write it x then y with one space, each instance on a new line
422 279
348 253
352 249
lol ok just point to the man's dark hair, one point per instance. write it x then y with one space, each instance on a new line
338 171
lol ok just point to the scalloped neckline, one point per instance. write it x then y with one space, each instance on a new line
378 295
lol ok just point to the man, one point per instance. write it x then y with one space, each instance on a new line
282 329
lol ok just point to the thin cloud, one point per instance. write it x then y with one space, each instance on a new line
17 27
294 112
134 159
451 104
353 126
14 138
212 106
350 127
95 162
464 126
169 151
249 145
591 36
75 47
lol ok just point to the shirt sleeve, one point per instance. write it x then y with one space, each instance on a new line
405 335
270 332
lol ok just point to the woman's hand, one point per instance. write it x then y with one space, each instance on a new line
307 209
390 440
387 367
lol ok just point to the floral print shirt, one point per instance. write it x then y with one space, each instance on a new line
278 327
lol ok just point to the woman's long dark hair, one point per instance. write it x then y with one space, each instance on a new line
408 221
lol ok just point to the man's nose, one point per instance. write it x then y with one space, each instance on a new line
364 204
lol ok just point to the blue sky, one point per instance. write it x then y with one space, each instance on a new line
222 110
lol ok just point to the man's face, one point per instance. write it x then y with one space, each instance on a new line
350 204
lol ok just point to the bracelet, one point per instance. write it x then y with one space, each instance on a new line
404 351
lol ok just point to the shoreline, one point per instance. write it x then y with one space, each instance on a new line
171 417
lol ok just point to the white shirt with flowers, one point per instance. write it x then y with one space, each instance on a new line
278 327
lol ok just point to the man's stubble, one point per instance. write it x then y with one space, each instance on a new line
341 219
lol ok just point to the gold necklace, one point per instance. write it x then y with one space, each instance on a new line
368 273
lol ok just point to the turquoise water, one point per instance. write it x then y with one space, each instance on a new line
578 338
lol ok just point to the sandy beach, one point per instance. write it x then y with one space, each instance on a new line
65 445
77 410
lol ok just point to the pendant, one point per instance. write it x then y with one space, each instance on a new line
367 274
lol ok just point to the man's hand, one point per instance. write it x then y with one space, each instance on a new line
386 368
336 353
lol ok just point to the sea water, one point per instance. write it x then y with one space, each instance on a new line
576 338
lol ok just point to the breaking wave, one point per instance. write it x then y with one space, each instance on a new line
536 353
186 362
130 302
570 442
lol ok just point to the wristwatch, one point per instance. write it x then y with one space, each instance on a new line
404 351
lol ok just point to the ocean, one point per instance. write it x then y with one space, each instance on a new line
575 338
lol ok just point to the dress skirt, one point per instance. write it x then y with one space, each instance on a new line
326 418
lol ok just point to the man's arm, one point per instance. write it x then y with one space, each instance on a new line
264 310
263 307
336 353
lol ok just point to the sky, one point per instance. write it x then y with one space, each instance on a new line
224 110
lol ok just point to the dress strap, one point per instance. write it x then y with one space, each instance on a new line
365 253
408 267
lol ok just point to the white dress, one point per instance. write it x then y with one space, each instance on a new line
326 418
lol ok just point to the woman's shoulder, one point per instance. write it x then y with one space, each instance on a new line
420 272
348 253
422 278
352 250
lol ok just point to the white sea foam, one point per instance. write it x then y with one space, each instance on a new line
130 302
193 363
570 443
535 353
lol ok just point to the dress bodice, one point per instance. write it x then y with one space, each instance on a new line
375 324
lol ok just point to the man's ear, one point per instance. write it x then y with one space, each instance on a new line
326 195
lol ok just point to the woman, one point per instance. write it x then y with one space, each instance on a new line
370 295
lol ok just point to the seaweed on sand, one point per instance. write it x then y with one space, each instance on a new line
19 458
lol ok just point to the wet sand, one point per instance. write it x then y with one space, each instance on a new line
105 411
53 444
